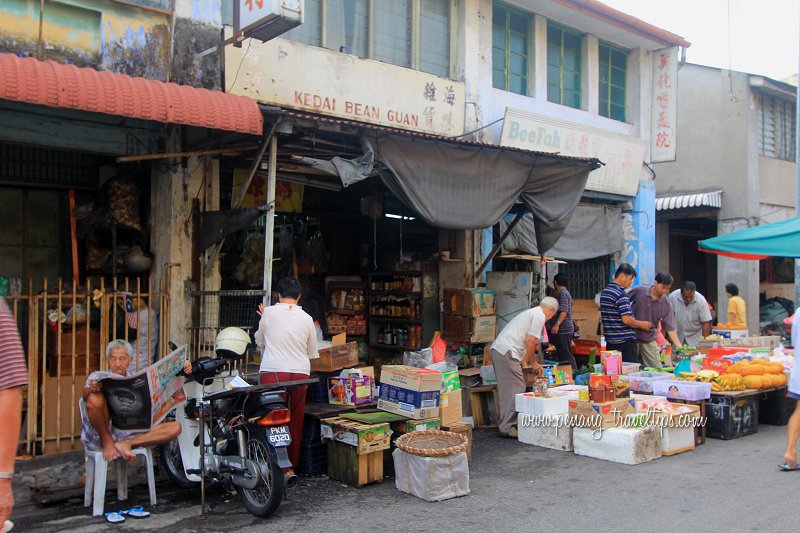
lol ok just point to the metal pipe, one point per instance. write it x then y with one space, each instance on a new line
269 229
500 242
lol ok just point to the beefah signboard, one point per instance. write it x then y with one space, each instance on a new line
288 74
622 155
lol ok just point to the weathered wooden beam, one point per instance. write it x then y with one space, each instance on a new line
218 151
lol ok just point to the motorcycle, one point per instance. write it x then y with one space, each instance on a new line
232 433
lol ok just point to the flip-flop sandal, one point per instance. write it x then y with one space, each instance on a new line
786 468
137 512
115 518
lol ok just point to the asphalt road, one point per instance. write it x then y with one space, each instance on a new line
726 486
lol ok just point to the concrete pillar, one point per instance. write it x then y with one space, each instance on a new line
639 230
538 77
743 273
172 196
590 74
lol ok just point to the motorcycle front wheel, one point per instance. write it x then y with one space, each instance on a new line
263 500
172 462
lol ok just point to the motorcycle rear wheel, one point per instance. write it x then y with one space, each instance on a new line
170 458
266 497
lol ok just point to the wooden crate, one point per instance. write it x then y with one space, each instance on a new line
466 430
485 404
352 468
364 438
336 358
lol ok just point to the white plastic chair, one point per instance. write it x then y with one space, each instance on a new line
97 472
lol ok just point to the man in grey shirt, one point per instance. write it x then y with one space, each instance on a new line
651 304
692 314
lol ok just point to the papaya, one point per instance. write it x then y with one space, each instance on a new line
753 382
774 368
762 362
752 370
730 376
781 379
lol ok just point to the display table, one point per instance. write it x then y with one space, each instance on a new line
775 407
733 414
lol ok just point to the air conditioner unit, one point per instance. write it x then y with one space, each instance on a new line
266 19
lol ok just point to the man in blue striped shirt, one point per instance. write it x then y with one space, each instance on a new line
617 318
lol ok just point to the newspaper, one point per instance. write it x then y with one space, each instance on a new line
141 401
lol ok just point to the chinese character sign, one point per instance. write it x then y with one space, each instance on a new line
665 93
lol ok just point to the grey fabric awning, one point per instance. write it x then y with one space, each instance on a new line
593 231
465 185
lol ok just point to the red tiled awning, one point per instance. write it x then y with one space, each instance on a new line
29 80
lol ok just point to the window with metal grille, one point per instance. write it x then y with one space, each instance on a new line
510 28
563 66
613 77
777 120
587 278
381 29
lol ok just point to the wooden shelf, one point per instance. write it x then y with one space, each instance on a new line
399 293
388 319
348 312
392 347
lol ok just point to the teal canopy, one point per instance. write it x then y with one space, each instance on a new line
779 239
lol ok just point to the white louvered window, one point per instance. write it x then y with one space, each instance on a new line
777 120
408 33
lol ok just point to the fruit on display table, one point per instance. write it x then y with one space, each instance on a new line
757 374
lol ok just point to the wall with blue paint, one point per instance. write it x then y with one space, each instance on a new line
639 232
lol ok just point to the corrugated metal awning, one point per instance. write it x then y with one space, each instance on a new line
47 83
711 199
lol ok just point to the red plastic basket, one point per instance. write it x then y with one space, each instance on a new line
583 347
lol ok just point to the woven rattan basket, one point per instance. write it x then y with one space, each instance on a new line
432 443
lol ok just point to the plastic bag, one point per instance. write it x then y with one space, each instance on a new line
79 311
419 359
431 478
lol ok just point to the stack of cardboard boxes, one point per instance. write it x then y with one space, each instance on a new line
469 315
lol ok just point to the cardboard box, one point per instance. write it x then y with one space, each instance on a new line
367 438
470 377
558 374
601 415
413 404
341 354
578 392
349 391
451 381
469 302
464 329
416 425
450 408
411 378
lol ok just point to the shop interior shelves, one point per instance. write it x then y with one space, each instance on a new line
394 309
388 319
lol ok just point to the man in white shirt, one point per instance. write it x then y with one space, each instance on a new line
692 315
514 345
289 342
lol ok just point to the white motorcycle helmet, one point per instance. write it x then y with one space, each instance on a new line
232 343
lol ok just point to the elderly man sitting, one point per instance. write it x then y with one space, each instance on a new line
97 433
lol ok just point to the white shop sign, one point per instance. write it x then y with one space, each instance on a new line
288 74
622 155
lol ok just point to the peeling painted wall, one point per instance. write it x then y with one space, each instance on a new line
110 35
